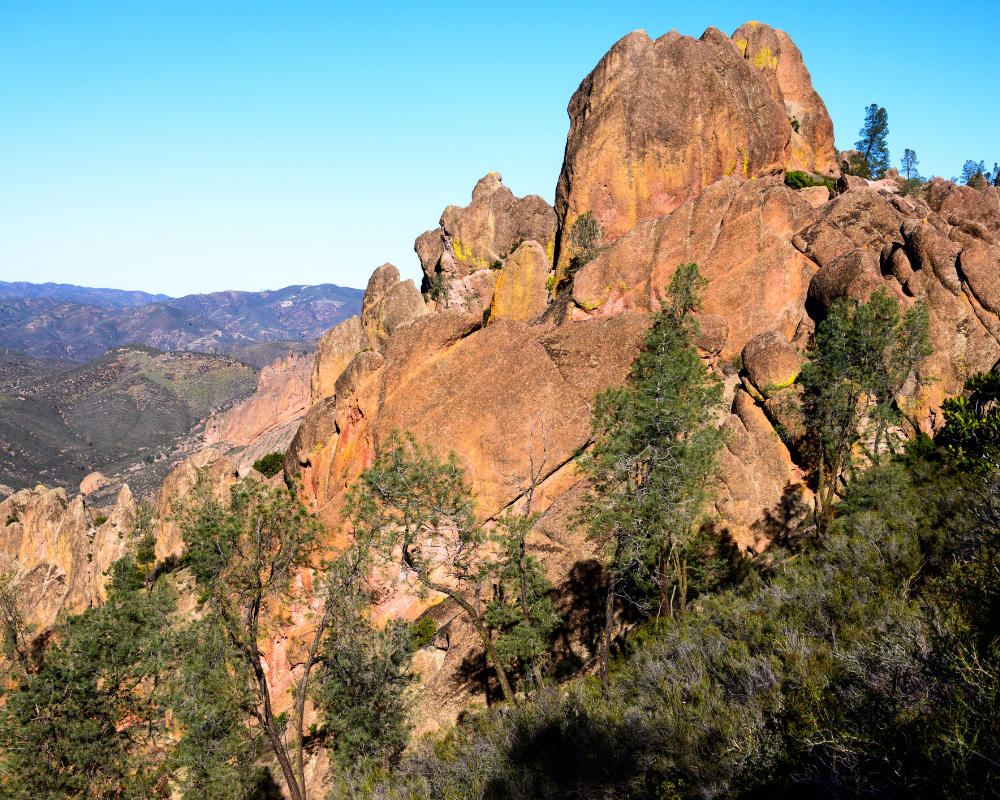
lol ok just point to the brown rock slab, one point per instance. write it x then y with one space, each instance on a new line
334 352
596 354
481 398
980 265
520 291
853 276
816 196
220 473
946 199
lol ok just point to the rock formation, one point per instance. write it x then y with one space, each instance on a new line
472 240
266 421
55 554
388 303
772 52
657 122
678 146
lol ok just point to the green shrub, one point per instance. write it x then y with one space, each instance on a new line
440 284
270 465
12 518
424 630
797 179
99 520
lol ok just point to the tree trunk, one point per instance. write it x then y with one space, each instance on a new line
609 621
483 633
300 697
272 732
665 584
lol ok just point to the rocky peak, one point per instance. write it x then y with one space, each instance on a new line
388 304
473 237
657 122
772 51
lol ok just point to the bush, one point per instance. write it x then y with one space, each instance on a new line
797 179
424 631
12 518
270 465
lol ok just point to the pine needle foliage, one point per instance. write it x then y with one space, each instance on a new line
862 355
87 720
651 465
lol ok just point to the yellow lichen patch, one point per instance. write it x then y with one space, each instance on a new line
742 44
463 252
764 58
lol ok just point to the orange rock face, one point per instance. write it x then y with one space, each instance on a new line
739 233
486 230
93 482
772 52
265 422
657 122
333 353
53 551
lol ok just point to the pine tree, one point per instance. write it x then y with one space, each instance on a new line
244 555
417 511
650 468
872 145
860 359
909 164
84 721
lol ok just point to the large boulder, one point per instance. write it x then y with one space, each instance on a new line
772 51
520 291
334 352
946 198
388 303
658 121
485 231
739 233
770 361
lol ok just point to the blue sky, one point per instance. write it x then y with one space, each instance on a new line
198 146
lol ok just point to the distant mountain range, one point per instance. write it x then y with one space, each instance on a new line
79 323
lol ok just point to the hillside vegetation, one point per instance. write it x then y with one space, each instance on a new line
134 405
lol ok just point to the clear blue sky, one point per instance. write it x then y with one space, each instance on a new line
196 146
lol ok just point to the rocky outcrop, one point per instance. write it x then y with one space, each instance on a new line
55 554
218 472
93 482
388 304
520 291
283 392
739 233
770 362
772 51
334 352
266 421
485 231
657 122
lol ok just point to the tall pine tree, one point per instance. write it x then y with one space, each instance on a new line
872 145
651 465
